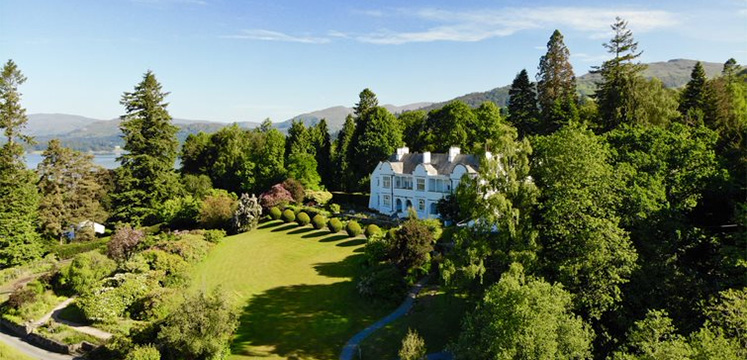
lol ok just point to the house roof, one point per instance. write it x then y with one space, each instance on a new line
439 163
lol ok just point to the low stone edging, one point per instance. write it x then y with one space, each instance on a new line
26 332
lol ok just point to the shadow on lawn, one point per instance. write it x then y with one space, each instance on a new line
318 233
285 227
332 238
269 224
301 230
303 321
352 242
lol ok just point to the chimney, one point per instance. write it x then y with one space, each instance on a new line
453 152
401 152
427 157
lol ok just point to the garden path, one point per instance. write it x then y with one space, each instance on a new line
55 314
349 350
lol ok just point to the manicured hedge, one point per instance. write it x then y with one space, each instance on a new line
334 225
289 215
275 213
353 229
372 230
303 219
319 221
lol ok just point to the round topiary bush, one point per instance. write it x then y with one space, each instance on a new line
372 230
334 225
303 219
275 213
319 221
353 228
289 215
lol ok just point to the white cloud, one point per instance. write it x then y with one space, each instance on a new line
269 35
470 26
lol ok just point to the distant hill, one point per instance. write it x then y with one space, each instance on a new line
673 74
50 124
84 133
336 115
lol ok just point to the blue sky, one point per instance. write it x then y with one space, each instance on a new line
230 60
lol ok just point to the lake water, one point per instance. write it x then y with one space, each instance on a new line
108 161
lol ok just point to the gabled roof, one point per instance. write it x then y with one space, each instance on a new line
439 162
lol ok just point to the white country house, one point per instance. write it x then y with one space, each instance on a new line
418 181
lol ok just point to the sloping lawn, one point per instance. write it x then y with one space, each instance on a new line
295 287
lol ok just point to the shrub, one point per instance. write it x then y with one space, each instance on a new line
413 346
275 213
303 219
217 210
383 282
288 215
191 248
318 197
411 245
68 251
173 267
87 269
247 214
319 221
154 305
115 296
147 352
21 296
295 188
353 229
376 251
214 236
202 327
179 212
334 208
277 196
334 225
372 230
124 242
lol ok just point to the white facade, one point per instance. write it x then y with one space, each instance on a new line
417 181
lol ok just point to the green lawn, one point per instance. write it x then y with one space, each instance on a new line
436 316
9 353
295 288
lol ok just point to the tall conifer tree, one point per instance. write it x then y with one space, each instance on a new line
556 85
522 105
146 177
620 76
693 98
19 241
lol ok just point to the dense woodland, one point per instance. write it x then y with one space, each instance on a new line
609 226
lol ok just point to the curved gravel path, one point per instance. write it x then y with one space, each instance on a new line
349 350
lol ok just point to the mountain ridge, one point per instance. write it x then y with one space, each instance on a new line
86 133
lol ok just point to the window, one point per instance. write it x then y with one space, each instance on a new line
421 205
387 201
439 185
421 184
434 208
387 182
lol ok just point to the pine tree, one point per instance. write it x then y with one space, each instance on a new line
146 177
522 105
368 101
69 190
556 84
342 154
19 241
693 98
620 76
299 139
323 146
